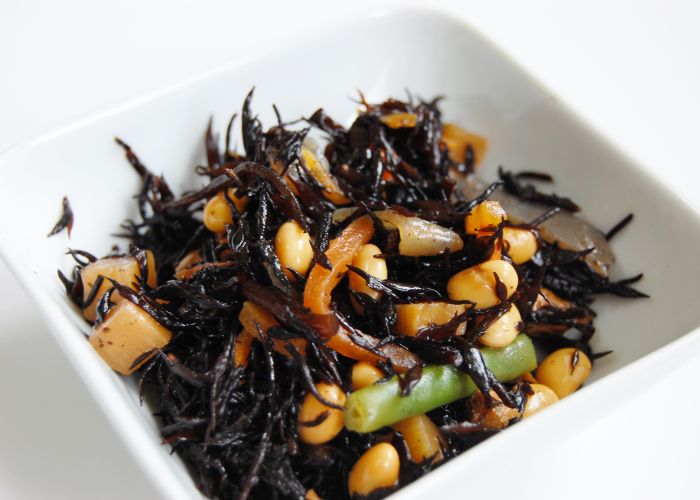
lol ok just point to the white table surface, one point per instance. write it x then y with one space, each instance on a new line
632 68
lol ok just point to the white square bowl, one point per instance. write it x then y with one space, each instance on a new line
382 54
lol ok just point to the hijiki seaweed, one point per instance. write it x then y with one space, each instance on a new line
66 219
237 427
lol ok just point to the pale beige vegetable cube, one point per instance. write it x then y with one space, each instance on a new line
125 270
411 318
126 335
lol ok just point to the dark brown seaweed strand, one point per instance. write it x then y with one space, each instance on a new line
399 291
484 379
307 378
251 478
601 354
288 203
211 146
500 288
92 294
253 137
216 185
227 143
141 258
530 193
150 306
89 258
141 358
619 226
321 120
445 330
409 380
316 421
469 158
65 221
328 360
534 176
176 367
621 288
69 285
433 352
289 312
321 241
220 384
481 198
545 216
133 159
103 306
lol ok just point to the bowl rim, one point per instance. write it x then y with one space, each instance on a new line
162 477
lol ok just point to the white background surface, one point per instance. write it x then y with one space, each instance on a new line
630 68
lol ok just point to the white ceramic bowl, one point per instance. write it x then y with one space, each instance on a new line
382 54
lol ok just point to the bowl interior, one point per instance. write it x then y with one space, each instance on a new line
528 129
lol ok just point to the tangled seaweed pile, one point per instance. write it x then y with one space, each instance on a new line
247 337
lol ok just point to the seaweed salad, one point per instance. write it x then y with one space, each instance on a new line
338 311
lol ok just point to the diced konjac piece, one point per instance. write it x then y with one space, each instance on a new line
126 335
419 237
411 318
567 230
125 270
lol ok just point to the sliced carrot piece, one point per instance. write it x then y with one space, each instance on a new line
343 344
241 353
401 359
253 317
330 186
340 252
320 285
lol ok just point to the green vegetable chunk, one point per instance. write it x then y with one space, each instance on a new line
381 404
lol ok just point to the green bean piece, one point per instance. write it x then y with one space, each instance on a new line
381 404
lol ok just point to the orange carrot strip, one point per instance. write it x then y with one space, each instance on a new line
324 178
401 359
340 252
241 353
343 344
320 285
253 317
